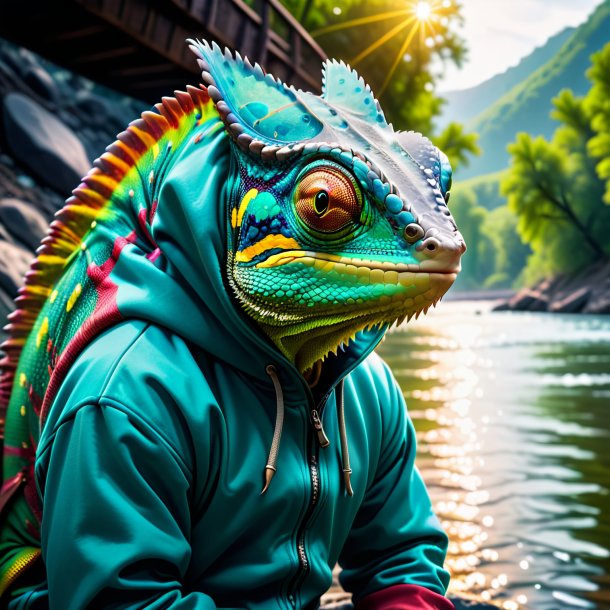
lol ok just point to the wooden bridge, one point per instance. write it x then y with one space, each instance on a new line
139 48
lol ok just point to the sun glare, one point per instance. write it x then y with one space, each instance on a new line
417 20
423 10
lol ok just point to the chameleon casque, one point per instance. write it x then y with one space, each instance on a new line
333 227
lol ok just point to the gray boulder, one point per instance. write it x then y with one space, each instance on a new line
23 222
48 148
573 302
41 83
14 262
529 300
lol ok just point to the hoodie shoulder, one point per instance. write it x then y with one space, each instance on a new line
142 369
376 373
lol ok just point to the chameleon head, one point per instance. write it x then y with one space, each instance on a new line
337 223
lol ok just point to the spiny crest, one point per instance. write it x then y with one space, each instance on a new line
344 88
252 104
274 122
75 219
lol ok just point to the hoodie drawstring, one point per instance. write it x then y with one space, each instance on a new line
347 471
270 467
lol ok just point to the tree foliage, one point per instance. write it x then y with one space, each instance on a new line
597 107
496 255
557 187
395 51
457 144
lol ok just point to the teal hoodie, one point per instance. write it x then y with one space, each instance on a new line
151 457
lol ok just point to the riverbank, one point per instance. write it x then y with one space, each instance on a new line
587 292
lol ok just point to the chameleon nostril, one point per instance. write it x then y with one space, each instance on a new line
431 245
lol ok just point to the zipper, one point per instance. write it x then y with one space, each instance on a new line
317 424
314 473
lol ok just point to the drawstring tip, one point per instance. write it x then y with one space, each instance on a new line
347 473
269 474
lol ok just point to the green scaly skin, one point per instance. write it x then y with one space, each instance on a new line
311 273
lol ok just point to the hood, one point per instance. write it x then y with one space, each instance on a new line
186 288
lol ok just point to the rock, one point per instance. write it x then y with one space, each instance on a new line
503 306
573 303
26 59
93 110
69 118
6 306
599 304
529 300
24 223
43 143
14 262
5 235
25 181
41 83
6 161
11 62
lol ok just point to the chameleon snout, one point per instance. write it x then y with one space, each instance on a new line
440 251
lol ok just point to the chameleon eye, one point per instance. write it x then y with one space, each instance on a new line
327 200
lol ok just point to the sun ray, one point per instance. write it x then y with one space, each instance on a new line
400 53
382 40
360 21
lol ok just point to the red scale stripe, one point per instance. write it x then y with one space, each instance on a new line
71 224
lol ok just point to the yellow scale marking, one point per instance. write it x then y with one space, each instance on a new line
238 215
42 331
75 294
267 243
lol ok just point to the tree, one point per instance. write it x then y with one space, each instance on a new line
557 188
456 144
597 106
478 262
510 253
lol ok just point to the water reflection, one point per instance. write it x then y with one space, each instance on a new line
512 413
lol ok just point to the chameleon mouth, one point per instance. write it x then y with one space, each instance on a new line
369 294
352 265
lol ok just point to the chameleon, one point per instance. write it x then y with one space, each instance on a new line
334 226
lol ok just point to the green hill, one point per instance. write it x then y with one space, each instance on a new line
464 105
485 188
526 107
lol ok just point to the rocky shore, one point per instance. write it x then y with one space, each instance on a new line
53 124
586 292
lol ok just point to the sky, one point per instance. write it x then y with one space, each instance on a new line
499 33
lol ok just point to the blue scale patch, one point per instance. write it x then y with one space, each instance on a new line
276 116
343 88
254 229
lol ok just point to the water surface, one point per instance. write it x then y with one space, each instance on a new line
512 412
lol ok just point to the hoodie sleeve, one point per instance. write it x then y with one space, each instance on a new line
393 557
116 525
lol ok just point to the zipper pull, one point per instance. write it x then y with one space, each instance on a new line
317 424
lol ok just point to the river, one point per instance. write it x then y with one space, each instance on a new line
513 418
